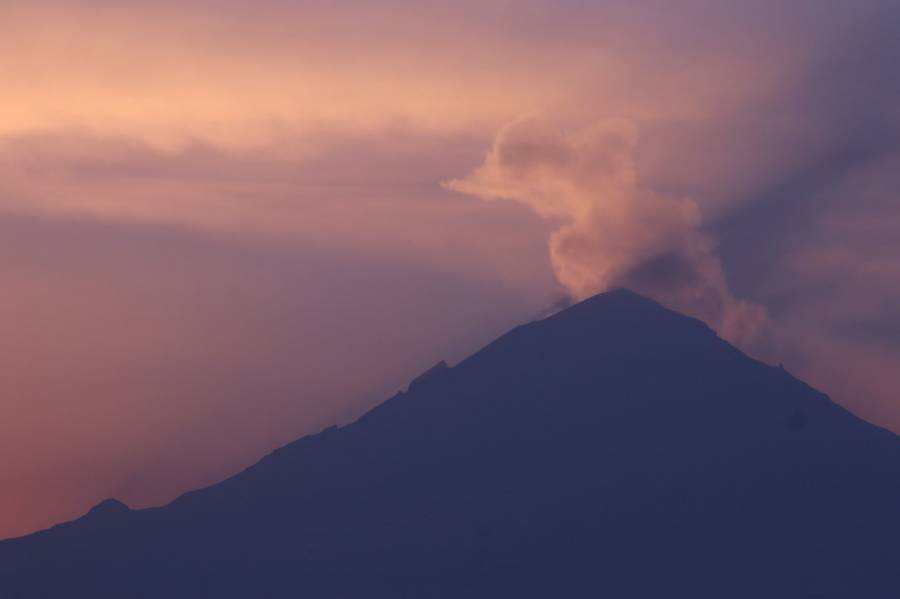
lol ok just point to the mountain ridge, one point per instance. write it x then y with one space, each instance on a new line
441 366
569 442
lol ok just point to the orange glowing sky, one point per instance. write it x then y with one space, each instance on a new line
225 224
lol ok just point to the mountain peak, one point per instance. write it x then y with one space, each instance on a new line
108 507
616 298
620 319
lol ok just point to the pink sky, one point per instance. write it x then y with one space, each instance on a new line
227 224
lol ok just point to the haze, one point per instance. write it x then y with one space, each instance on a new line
226 224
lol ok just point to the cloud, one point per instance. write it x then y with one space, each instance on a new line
612 230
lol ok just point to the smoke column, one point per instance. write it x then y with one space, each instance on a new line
612 231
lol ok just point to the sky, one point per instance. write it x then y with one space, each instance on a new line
225 224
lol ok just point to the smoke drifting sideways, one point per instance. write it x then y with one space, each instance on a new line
612 230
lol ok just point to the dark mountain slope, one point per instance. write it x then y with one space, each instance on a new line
615 449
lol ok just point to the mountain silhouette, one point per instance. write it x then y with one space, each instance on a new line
614 449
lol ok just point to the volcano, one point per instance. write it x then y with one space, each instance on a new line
614 449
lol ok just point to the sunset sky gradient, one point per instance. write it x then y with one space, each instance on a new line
225 224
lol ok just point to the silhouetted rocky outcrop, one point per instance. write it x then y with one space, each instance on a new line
429 374
615 449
